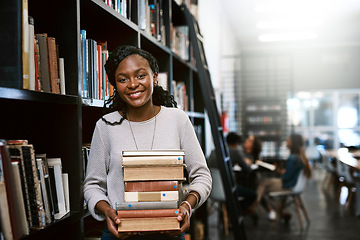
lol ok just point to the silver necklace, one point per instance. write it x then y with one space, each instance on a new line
133 135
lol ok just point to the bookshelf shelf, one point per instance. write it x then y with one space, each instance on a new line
59 125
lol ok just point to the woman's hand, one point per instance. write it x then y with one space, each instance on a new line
184 219
112 220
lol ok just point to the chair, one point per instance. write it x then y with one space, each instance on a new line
330 171
295 194
345 180
218 195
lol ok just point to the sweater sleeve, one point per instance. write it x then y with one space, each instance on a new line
95 183
199 174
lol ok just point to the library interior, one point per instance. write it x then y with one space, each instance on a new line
180 119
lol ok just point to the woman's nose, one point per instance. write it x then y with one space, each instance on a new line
133 83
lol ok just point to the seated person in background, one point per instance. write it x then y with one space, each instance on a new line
236 157
252 149
296 162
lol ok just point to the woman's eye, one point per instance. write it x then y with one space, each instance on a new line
141 76
121 80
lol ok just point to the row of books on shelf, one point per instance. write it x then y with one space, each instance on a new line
263 107
34 191
151 19
264 119
94 82
121 6
265 133
43 68
152 190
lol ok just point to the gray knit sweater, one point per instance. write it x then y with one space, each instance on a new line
104 177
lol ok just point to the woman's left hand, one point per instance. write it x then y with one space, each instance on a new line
184 219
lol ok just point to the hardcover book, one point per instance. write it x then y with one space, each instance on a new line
152 160
154 172
148 213
151 196
36 207
148 224
146 205
149 186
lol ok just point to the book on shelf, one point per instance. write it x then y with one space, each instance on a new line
148 213
43 172
156 196
13 204
150 186
154 172
31 54
148 224
44 71
55 171
5 222
163 80
146 205
266 165
62 76
53 65
21 150
25 44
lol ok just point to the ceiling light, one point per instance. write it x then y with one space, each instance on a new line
289 24
276 37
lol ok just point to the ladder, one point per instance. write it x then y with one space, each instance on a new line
222 154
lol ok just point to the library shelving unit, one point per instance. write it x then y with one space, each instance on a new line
60 124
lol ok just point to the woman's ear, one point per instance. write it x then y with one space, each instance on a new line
155 79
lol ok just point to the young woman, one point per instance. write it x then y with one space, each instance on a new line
296 162
142 116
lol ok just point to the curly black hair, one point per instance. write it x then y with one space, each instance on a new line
115 103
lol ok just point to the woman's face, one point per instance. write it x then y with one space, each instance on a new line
248 144
135 81
288 143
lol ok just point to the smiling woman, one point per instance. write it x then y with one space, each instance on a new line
140 115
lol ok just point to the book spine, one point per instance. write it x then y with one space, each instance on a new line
16 156
55 163
148 213
44 62
146 205
148 224
135 160
34 189
53 66
146 173
149 186
48 218
62 76
151 196
31 54
25 43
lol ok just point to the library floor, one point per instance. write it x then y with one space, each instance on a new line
329 220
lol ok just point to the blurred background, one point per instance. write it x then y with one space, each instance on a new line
286 65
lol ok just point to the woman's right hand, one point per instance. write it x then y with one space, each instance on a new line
112 220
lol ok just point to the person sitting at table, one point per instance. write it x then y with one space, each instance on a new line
296 162
236 157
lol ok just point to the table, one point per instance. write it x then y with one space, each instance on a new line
346 157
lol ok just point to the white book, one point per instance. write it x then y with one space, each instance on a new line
31 54
55 165
4 213
20 205
265 165
66 191
151 196
167 152
152 160
62 76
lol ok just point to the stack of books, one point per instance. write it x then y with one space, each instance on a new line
152 183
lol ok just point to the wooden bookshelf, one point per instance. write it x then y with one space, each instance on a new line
59 125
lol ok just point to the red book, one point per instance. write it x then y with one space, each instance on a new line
148 213
151 186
